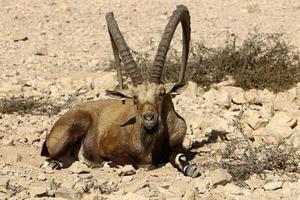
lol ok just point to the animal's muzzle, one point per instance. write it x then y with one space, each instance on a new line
149 120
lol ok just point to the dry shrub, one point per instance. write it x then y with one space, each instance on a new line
241 161
28 106
262 61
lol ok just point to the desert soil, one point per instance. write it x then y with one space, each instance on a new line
57 51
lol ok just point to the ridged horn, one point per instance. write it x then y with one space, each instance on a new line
181 14
120 48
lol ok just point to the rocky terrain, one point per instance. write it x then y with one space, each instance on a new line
55 53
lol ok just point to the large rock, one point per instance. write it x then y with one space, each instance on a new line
252 96
68 194
284 103
255 182
219 177
37 191
223 99
191 90
236 93
281 125
267 111
273 185
254 120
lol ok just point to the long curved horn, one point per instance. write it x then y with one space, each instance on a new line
120 48
181 14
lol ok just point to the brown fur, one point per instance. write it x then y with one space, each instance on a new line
111 130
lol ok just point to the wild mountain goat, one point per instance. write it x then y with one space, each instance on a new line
140 127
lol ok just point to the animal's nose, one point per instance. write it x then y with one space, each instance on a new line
148 116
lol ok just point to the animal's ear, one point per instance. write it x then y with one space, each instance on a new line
175 88
119 94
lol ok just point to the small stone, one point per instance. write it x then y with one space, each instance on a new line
219 177
126 179
130 196
230 189
68 194
252 96
78 168
127 170
283 118
8 142
18 158
168 194
92 196
255 182
223 99
191 90
236 93
266 112
37 191
63 5
20 36
273 185
42 51
281 125
41 177
254 120
191 195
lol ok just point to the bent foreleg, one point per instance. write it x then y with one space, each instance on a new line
179 160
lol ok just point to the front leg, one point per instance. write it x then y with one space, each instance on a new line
179 160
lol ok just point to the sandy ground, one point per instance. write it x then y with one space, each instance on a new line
55 50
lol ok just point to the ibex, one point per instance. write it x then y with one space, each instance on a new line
140 127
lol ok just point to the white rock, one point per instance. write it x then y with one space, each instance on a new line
273 185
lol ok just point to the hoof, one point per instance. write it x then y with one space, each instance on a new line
109 164
191 170
51 164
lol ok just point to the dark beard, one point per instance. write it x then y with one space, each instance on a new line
147 135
